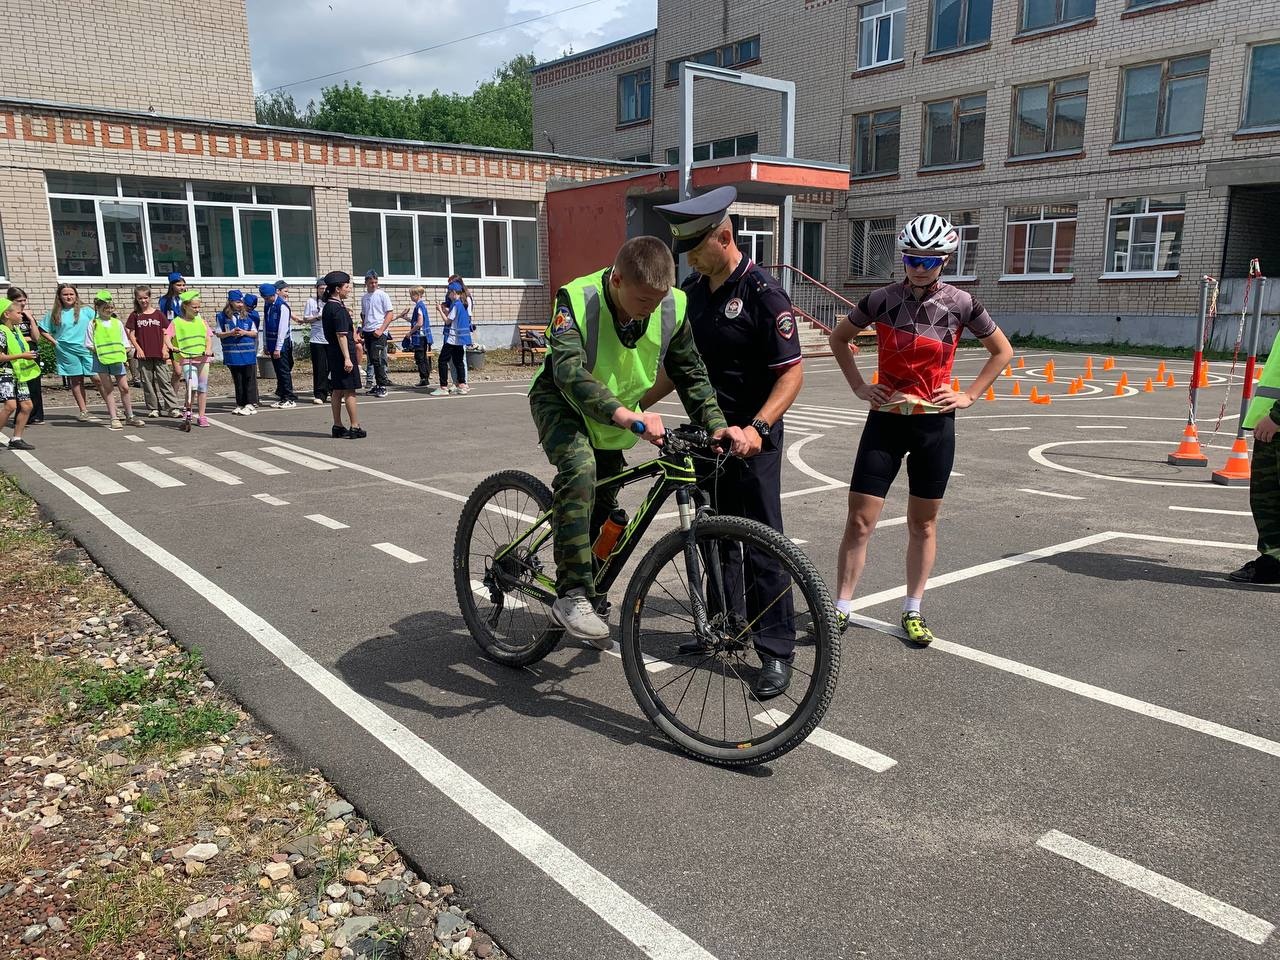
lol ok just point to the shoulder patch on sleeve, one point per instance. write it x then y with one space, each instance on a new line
562 321
786 325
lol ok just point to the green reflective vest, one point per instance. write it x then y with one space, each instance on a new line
1267 392
627 372
15 342
190 337
108 341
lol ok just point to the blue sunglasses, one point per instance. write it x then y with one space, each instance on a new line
922 263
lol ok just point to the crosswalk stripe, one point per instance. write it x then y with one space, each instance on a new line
163 451
400 553
834 743
270 501
207 470
329 522
253 463
150 473
299 458
133 438
96 481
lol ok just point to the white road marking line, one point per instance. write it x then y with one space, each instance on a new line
1189 541
302 459
1225 513
270 501
329 522
793 457
798 542
253 463
1048 493
480 589
651 664
208 470
834 743
651 934
1087 690
1006 429
147 472
1199 905
1037 454
399 553
132 438
954 474
98 482
1101 426
163 451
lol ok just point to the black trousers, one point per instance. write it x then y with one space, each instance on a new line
37 399
754 581
320 371
423 359
245 377
453 355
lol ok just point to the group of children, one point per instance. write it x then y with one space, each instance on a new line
455 313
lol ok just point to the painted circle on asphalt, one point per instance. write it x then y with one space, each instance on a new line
1038 455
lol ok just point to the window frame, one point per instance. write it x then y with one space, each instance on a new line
1162 96
1109 262
926 135
643 82
1057 23
872 127
966 254
1050 148
1244 99
703 151
890 231
961 30
191 205
1053 274
450 217
897 18
717 58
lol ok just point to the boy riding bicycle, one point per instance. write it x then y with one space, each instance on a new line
609 334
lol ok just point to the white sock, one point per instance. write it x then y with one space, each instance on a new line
911 604
844 606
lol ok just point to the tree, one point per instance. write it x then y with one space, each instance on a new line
277 109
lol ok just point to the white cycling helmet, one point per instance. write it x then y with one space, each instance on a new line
929 234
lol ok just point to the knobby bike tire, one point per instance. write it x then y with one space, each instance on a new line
825 635
498 648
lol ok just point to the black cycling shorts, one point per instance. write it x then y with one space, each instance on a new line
929 438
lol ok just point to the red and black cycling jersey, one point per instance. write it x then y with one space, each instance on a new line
918 338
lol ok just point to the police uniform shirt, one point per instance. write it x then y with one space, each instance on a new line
746 333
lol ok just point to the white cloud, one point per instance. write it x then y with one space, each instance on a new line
307 38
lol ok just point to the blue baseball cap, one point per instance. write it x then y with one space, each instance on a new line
235 296
455 287
267 289
250 300
175 277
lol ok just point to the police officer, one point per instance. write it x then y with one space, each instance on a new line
745 330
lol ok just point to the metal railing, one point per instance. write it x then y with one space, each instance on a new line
814 300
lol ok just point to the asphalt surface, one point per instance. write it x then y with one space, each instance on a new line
577 832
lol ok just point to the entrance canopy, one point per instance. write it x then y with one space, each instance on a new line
588 222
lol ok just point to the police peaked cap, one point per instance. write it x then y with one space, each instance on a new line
691 220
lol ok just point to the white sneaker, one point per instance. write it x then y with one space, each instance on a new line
115 424
578 616
317 401
463 388
250 410
286 405
239 412
438 392
153 414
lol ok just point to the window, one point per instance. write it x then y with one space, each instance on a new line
1164 99
1049 117
881 26
1144 234
728 55
963 264
876 142
637 158
756 238
807 247
633 96
137 228
412 236
871 247
954 130
960 23
739 146
1261 106
1040 14
1039 240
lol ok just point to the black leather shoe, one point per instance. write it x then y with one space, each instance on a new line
1265 569
774 678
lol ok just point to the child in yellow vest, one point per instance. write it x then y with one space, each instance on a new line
18 367
106 340
189 340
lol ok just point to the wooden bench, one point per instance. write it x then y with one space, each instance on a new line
533 341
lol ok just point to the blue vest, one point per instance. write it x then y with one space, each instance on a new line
273 324
462 325
238 351
422 336
170 306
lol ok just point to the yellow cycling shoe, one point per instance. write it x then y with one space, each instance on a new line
917 631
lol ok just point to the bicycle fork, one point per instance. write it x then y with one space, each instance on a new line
693 563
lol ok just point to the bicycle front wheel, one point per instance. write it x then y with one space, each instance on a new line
504 570
696 685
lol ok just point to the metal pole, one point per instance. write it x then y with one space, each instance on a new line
686 130
788 219
1197 364
1236 472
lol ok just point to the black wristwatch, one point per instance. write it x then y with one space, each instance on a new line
761 427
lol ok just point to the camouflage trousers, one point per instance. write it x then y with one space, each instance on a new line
1264 496
578 510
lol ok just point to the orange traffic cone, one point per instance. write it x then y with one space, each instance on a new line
1088 368
990 394
1022 363
1236 471
1204 377
1189 453
1045 400
1108 363
1008 370
875 376
1017 389
1160 371
1257 373
1048 376
1170 382
955 384
1148 387
1119 391
1035 395
1123 381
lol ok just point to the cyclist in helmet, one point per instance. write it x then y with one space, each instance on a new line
919 323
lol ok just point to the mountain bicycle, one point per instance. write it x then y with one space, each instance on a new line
688 586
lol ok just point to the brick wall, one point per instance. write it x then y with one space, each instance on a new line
169 57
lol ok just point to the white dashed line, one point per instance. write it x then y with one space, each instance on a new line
1006 429
299 458
163 451
270 501
1101 426
151 474
1225 513
97 482
510 600
834 743
207 470
329 522
400 553
253 463
1049 493
1199 905
133 438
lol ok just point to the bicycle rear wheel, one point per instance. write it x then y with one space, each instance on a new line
702 698
499 599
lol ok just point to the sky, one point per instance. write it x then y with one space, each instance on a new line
345 33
